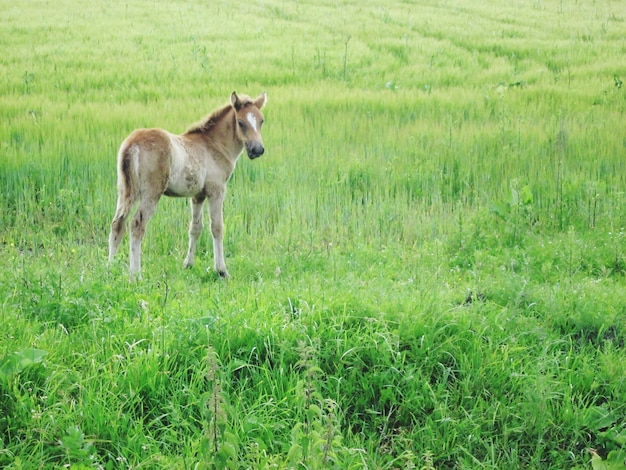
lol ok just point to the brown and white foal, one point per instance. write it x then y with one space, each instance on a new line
197 164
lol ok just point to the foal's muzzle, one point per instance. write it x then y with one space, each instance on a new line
255 150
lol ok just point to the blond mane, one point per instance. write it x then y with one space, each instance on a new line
216 116
210 121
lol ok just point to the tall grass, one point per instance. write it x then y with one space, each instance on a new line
428 263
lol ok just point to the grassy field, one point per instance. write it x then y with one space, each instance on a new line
428 264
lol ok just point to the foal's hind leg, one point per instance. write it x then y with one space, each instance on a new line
195 228
118 227
138 224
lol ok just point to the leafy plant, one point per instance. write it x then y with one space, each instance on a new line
17 362
518 213
78 450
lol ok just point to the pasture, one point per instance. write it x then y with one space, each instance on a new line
427 264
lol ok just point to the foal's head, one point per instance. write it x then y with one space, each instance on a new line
249 122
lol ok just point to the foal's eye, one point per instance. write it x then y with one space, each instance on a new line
242 125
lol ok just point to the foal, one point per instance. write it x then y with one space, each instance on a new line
196 164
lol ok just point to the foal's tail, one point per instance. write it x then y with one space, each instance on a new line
127 193
127 179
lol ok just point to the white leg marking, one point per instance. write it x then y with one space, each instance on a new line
217 230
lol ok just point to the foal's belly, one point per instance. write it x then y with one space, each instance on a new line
184 183
188 188
187 175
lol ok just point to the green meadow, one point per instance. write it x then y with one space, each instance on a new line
428 263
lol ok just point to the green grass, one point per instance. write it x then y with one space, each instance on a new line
428 264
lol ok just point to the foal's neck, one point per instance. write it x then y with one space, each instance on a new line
221 135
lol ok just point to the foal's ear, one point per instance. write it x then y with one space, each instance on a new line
235 101
261 100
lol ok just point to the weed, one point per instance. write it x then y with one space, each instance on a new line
316 440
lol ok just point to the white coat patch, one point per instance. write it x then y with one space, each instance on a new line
252 120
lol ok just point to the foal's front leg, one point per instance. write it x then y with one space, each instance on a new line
195 228
216 202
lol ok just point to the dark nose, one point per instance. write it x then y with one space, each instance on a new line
256 150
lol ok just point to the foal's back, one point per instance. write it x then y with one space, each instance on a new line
165 163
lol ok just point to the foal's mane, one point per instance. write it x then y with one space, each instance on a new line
210 121
216 116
